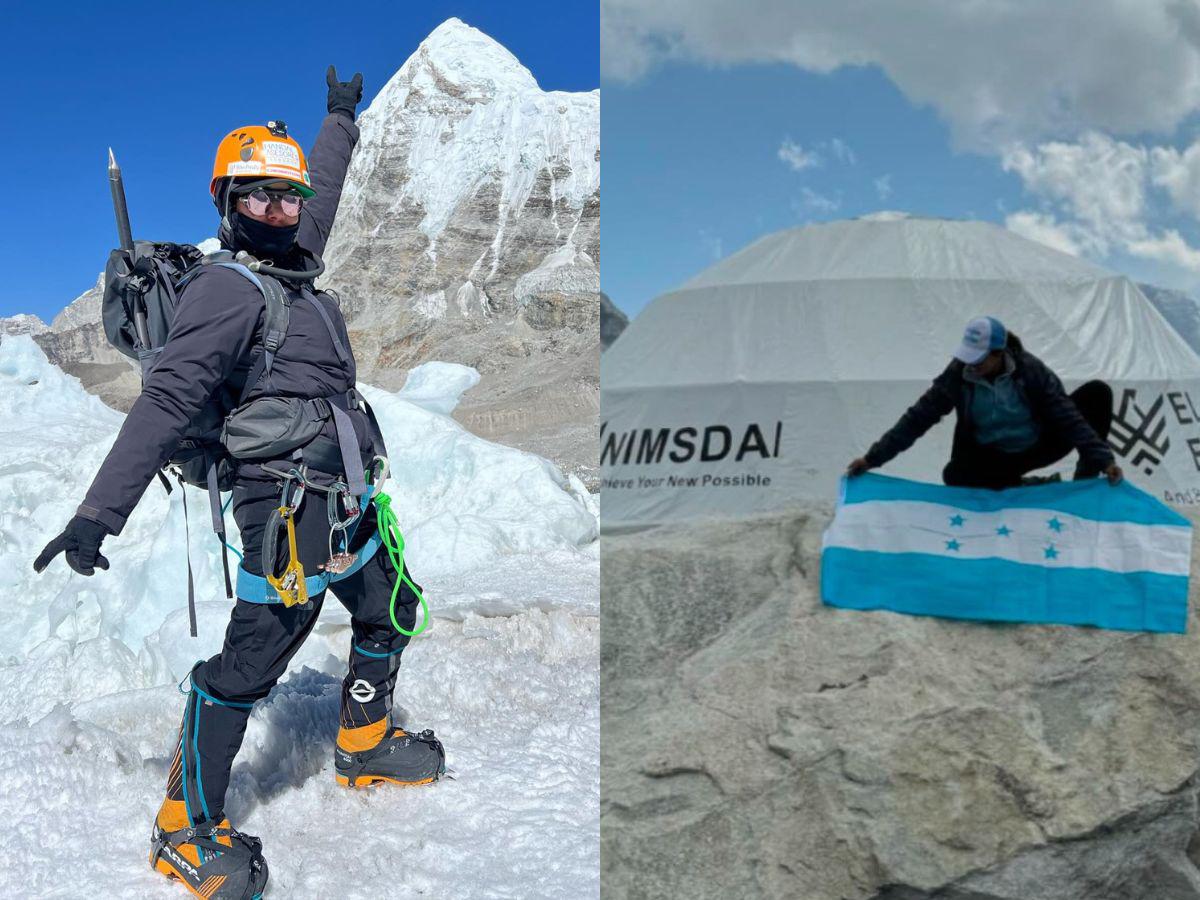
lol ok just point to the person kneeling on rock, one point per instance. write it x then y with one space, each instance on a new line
1013 416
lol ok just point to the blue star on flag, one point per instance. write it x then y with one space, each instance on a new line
1055 525
952 544
1051 553
1004 531
956 521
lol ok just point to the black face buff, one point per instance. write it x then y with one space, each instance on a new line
263 240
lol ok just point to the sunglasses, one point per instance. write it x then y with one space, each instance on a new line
259 199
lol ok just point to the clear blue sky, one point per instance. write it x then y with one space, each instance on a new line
163 82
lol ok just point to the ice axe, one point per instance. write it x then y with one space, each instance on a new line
125 236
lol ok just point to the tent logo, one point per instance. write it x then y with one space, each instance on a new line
1139 434
713 443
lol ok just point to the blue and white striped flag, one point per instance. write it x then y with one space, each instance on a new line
1076 553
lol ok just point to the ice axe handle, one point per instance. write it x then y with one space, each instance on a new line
125 235
117 185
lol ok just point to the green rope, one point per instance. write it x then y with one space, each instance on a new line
393 540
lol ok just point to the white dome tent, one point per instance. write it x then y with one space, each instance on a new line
752 386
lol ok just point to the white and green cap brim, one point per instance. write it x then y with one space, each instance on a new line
244 183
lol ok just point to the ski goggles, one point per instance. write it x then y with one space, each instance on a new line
259 200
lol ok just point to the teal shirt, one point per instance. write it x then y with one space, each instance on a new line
1000 414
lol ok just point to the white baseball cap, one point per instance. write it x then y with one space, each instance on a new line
981 337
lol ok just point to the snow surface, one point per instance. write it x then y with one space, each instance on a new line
507 672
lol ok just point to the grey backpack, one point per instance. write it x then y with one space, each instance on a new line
150 281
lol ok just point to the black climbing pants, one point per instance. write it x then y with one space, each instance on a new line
263 637
977 465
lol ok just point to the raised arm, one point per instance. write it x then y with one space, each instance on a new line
328 161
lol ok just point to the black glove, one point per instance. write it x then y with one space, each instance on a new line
343 95
81 541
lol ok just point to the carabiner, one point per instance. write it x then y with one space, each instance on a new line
377 480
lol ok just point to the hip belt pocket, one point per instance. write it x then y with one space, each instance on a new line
271 427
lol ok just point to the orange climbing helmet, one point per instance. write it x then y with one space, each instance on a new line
260 151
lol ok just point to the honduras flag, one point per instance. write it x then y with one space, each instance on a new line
1076 553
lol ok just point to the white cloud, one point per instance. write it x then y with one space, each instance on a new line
812 203
995 71
800 159
1169 247
841 151
1101 196
1178 173
796 157
1045 229
883 186
1100 181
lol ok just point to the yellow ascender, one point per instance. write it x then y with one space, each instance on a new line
290 586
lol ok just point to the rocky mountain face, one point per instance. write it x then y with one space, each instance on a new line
23 323
76 343
469 232
759 744
1180 309
612 322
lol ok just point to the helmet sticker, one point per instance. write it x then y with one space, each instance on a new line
244 168
277 153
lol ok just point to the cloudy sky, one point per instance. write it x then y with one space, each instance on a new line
1072 122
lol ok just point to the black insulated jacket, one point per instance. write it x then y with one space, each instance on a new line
214 339
950 392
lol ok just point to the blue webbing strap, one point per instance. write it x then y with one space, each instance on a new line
256 589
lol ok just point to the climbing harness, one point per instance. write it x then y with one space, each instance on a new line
260 589
290 586
344 512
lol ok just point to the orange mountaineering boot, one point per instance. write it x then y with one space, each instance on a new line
382 751
210 859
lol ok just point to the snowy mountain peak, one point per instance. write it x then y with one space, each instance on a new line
463 127
459 59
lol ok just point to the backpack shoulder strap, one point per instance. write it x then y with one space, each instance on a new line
275 326
275 321
224 259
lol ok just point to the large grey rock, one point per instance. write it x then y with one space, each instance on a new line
759 744
612 322
75 342
1180 309
22 323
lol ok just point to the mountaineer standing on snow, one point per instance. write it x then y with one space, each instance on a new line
217 353
1013 416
